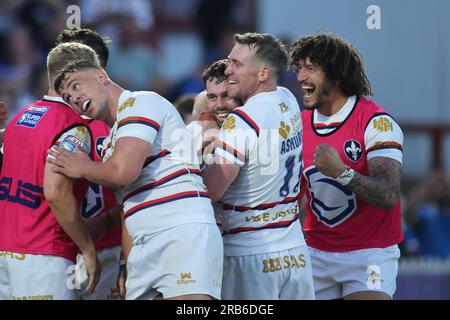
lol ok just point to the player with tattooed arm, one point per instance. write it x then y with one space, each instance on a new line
352 155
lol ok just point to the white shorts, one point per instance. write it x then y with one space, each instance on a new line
36 277
106 288
338 274
186 259
284 275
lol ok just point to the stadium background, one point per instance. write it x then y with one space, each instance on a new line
164 45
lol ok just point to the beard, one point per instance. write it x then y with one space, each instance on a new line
323 94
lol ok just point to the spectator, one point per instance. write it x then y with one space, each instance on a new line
427 213
184 105
131 63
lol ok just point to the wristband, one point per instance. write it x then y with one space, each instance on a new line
346 176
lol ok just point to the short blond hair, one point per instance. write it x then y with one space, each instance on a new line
66 54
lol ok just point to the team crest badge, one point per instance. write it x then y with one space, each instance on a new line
353 150
99 146
82 130
229 124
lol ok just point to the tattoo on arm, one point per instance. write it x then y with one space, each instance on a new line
382 187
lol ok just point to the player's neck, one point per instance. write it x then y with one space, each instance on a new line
337 102
53 93
262 87
113 100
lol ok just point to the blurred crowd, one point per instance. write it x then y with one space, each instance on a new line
159 45
426 217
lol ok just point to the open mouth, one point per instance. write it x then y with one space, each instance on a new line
308 91
232 82
86 105
222 114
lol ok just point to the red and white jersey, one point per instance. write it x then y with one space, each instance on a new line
170 172
260 210
26 221
99 198
336 219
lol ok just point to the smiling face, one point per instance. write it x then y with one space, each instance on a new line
84 90
242 72
316 88
219 103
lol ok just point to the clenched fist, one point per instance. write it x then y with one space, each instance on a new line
327 160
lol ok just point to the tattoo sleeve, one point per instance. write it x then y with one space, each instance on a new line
382 187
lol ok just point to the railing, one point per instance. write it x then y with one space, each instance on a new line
437 131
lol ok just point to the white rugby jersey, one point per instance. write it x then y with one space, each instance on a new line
169 174
260 209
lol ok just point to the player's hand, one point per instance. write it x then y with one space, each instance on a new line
208 151
122 278
209 133
93 269
70 164
3 113
327 160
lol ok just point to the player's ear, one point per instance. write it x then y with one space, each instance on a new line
102 76
264 73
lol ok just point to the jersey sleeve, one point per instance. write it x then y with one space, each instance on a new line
141 116
384 138
237 138
77 136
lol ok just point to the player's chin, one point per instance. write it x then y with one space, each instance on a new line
309 106
221 117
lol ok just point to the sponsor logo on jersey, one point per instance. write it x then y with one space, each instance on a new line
229 124
291 143
284 130
353 150
70 142
127 103
331 202
31 117
383 124
21 192
16 256
185 278
283 107
93 202
287 262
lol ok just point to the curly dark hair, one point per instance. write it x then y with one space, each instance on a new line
216 71
268 49
342 63
90 38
